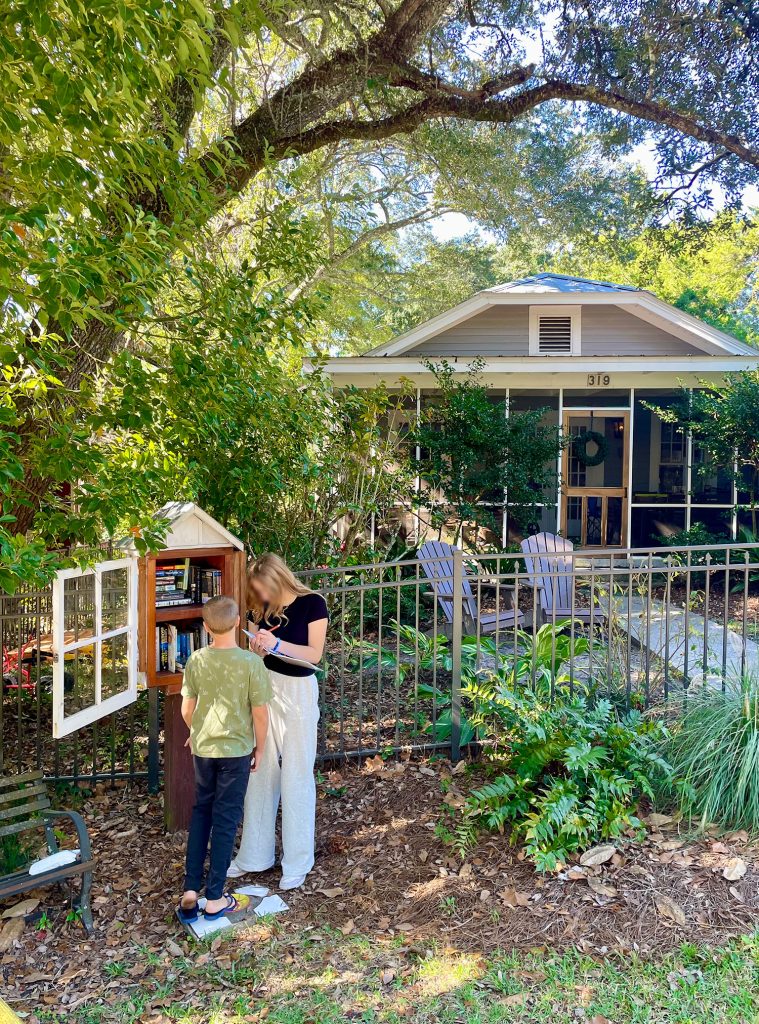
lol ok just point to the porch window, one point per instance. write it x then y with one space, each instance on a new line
554 330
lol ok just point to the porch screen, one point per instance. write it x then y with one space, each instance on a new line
94 643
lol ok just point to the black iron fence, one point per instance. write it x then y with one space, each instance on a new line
409 640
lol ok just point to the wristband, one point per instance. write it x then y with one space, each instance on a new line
275 648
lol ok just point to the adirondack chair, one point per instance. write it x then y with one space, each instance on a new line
25 807
548 560
437 563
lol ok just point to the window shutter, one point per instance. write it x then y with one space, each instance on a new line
555 335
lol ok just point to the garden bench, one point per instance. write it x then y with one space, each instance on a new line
25 807
437 562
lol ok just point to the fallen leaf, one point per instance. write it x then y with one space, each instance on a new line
601 888
575 874
348 927
387 976
735 868
423 770
512 898
173 948
598 855
372 765
331 893
518 999
13 930
671 910
465 871
599 1019
741 836
485 895
659 819
21 909
736 895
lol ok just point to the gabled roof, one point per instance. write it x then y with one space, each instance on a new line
546 289
190 526
559 283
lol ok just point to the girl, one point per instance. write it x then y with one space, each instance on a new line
288 618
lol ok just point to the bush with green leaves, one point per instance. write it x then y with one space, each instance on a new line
714 750
541 659
568 774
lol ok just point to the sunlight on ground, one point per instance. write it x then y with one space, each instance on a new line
446 972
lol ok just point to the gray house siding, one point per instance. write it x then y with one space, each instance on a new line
503 331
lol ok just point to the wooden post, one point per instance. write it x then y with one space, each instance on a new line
179 777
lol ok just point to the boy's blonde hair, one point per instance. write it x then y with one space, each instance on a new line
273 571
220 614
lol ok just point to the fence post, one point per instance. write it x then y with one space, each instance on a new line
456 631
154 727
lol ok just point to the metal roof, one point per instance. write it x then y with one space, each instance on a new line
560 283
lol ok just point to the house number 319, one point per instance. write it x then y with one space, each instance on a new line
599 380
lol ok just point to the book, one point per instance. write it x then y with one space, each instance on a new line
172 649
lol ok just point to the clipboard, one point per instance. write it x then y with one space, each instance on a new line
301 662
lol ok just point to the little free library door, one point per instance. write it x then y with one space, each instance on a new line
594 477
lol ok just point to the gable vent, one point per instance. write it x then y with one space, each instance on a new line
555 335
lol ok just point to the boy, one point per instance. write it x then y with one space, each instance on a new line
224 696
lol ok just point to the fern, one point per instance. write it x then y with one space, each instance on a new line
566 775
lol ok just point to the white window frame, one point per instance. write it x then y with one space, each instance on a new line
573 312
64 724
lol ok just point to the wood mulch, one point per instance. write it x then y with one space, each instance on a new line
381 871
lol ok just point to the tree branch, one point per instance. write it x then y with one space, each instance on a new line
386 228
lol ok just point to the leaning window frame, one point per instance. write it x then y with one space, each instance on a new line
64 725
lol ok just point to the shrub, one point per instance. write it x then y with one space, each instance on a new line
569 774
714 751
697 536
540 660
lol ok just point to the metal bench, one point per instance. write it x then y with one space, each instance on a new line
25 807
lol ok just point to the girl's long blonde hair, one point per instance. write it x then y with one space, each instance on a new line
273 571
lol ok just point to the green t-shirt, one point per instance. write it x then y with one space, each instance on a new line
227 683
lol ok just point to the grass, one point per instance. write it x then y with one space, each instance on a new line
307 976
714 751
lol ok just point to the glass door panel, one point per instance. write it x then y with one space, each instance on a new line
594 477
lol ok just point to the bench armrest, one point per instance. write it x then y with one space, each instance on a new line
81 830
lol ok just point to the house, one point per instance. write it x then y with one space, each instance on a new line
595 356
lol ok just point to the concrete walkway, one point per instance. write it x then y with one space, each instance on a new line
694 648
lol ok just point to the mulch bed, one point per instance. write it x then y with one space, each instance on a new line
382 871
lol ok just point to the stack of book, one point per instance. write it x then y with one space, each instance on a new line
174 645
172 584
181 583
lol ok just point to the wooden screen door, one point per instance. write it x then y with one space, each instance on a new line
594 497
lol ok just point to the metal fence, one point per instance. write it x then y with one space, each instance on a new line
409 642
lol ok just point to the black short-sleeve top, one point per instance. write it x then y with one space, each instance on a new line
305 609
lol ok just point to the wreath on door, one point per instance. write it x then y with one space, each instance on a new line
580 447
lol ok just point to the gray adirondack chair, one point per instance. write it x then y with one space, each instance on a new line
437 564
548 560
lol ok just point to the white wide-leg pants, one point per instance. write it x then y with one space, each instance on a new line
286 771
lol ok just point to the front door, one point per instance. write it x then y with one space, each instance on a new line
594 477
